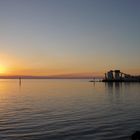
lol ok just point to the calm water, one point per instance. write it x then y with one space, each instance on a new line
68 110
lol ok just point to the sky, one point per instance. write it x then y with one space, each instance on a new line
69 37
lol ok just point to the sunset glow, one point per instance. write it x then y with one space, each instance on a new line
3 69
68 37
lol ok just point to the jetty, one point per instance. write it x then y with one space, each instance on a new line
118 76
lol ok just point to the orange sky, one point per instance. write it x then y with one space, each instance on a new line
10 65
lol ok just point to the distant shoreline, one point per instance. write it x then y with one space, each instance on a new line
46 77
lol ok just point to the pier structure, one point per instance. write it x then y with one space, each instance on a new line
118 76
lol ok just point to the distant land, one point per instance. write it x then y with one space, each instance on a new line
47 77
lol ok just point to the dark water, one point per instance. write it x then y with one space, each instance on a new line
68 110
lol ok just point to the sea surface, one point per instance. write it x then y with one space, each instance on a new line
68 110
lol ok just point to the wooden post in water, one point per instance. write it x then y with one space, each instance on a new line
19 81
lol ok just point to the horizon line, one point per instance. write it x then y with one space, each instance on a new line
47 77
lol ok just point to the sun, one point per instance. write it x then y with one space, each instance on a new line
2 69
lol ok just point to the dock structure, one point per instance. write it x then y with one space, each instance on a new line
118 76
